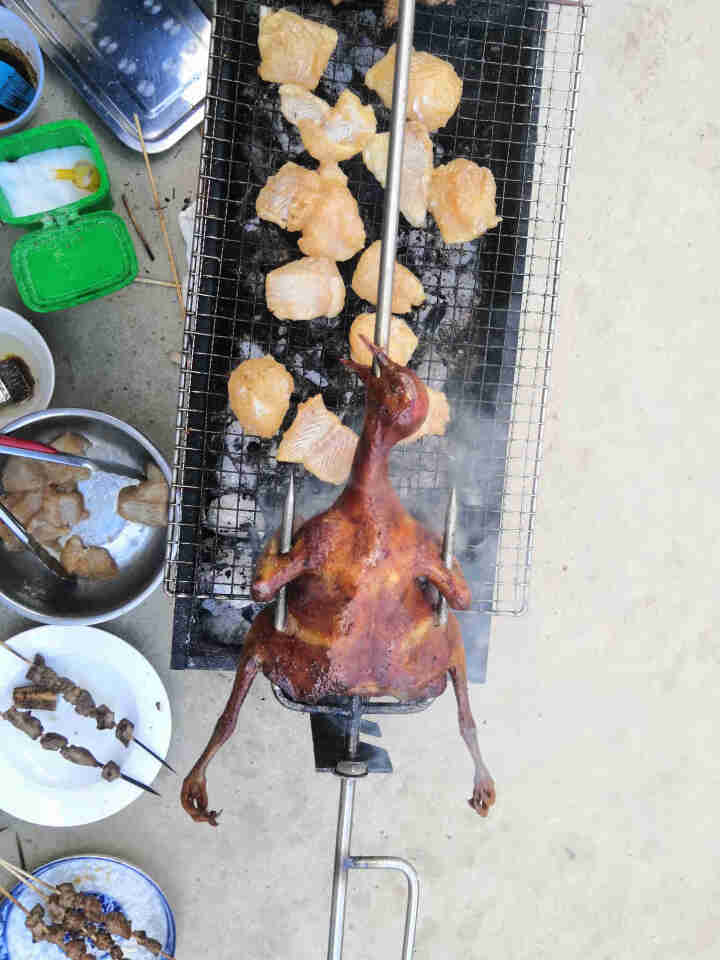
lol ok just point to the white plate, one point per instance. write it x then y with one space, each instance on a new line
38 785
121 887
18 337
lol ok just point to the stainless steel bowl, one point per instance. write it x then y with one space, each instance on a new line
139 552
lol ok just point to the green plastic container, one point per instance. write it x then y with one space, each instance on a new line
76 252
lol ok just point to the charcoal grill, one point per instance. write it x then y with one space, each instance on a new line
485 337
485 332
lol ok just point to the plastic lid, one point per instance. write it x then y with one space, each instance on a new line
60 266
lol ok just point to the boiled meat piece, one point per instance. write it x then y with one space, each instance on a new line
57 516
402 340
360 621
417 168
342 133
66 478
93 563
320 441
437 419
407 290
462 200
288 196
259 391
146 503
23 506
293 49
297 103
20 475
305 289
434 89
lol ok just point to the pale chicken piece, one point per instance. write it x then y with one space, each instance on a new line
23 506
319 441
392 8
333 228
293 49
305 289
21 475
93 563
343 132
58 514
407 290
259 391
437 419
67 477
401 346
417 168
297 103
288 196
434 89
147 502
332 172
462 200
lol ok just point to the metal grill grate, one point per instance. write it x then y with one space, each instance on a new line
485 331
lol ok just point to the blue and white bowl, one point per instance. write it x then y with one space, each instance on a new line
119 885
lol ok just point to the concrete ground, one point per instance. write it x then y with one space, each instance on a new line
597 717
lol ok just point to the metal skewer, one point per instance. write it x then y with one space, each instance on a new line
403 54
447 551
285 544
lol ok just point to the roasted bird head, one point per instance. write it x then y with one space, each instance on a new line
397 400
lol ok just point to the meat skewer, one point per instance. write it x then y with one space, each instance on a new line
41 675
75 912
26 723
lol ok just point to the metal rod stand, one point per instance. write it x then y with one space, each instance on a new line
350 770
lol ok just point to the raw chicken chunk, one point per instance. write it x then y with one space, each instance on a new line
462 200
400 348
319 441
437 419
147 502
67 477
297 103
392 8
93 563
23 506
319 204
293 49
259 391
407 290
63 509
288 196
21 475
434 89
305 289
342 133
416 171
333 228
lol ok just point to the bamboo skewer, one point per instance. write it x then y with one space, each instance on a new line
11 898
4 643
154 283
161 216
138 231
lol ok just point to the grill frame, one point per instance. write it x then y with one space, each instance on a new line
513 354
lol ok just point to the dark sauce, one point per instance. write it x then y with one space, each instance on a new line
17 383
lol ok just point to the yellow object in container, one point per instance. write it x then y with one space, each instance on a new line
85 176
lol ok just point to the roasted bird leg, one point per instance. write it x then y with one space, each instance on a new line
359 623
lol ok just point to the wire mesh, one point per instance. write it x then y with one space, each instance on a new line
485 330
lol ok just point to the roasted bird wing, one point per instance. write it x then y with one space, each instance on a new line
359 622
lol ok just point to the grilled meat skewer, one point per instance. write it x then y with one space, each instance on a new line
44 676
34 697
31 727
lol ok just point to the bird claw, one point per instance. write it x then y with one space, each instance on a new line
195 800
483 796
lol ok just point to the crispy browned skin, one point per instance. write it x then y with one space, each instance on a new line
358 620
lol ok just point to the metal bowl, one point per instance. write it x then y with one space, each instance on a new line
139 551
